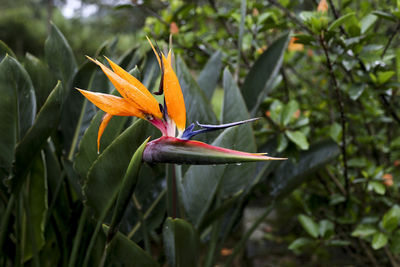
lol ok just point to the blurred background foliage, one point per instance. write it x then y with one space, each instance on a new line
328 99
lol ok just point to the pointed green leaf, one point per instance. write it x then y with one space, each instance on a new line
34 140
106 174
367 22
391 219
87 151
379 240
208 77
42 80
127 188
124 252
37 205
298 138
261 76
237 177
289 175
364 230
181 243
197 106
59 57
4 50
309 225
340 21
17 108
288 110
233 108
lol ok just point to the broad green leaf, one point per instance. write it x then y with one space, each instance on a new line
384 15
17 108
233 107
298 138
127 188
124 252
181 243
62 65
377 186
35 212
395 242
326 228
59 57
288 110
106 174
300 243
261 76
289 175
42 81
197 106
384 76
219 211
309 225
87 151
199 185
391 219
237 177
282 143
4 50
340 21
335 132
78 112
46 122
379 240
364 230
367 22
356 90
276 109
208 77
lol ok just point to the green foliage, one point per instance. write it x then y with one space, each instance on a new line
327 101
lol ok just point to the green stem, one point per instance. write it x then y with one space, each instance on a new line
104 256
80 120
29 224
147 213
77 130
144 228
239 246
214 239
5 221
91 243
172 194
78 237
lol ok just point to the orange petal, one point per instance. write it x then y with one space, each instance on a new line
104 121
126 76
146 103
173 96
111 104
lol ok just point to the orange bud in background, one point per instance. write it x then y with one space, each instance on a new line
322 6
388 179
226 251
173 28
293 46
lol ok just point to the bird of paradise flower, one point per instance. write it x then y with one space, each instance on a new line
174 146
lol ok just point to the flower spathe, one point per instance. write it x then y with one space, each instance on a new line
174 146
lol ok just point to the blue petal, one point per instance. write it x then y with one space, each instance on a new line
189 133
